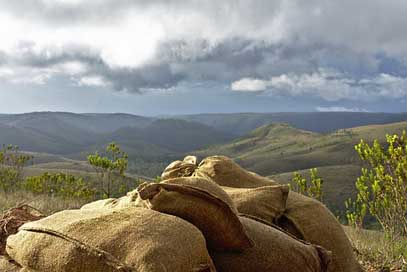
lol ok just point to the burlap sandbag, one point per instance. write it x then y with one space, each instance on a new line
12 219
266 202
226 172
273 251
129 200
131 239
203 203
310 220
8 265
184 168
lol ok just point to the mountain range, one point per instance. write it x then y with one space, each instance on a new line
271 144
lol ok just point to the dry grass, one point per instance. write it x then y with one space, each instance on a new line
376 252
44 203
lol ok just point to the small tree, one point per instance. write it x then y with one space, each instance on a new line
12 163
382 187
59 184
109 167
312 188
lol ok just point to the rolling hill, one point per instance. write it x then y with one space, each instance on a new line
61 141
322 122
278 150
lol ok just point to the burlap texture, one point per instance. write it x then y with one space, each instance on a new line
224 171
310 220
266 202
273 251
131 239
129 200
202 203
184 168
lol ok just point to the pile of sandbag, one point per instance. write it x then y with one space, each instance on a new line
214 216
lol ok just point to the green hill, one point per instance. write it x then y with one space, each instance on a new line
280 148
323 122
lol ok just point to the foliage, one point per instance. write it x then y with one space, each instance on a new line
60 185
382 187
376 252
312 188
109 167
12 163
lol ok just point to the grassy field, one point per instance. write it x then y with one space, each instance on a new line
376 252
44 203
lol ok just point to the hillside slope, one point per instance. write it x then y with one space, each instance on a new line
323 122
280 148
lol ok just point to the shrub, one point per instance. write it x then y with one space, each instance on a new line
312 188
60 184
109 167
12 163
382 187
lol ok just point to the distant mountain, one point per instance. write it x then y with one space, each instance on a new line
70 134
93 122
279 147
323 122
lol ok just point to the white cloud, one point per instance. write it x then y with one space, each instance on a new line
249 85
95 81
340 109
329 85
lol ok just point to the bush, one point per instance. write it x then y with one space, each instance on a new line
382 187
109 167
12 163
60 184
312 188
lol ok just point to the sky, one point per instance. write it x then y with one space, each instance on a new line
161 57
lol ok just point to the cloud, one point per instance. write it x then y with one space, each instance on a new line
96 81
274 46
250 85
340 109
328 85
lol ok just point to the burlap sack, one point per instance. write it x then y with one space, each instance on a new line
8 265
183 168
12 219
310 220
266 202
129 200
273 251
203 203
226 172
131 239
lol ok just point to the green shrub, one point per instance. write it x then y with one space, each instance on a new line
109 167
312 188
59 184
12 163
382 187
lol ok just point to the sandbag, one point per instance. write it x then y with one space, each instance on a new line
273 251
310 220
131 239
266 202
8 265
12 219
129 200
184 168
202 203
226 172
